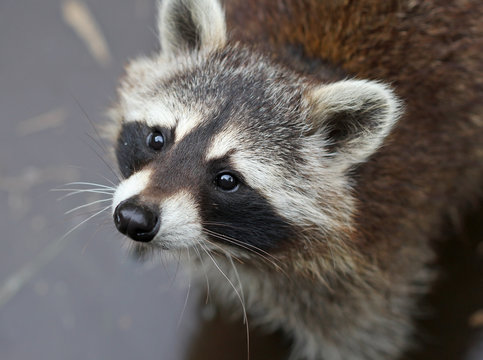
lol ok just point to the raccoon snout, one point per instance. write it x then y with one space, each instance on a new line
138 221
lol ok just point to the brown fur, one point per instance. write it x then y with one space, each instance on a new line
431 167
430 51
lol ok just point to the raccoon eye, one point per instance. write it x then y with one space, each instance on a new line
227 182
155 140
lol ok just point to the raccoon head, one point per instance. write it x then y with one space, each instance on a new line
221 148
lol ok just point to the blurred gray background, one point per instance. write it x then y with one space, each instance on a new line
80 296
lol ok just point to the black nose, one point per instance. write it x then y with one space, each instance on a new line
139 222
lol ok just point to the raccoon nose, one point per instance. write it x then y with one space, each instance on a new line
139 222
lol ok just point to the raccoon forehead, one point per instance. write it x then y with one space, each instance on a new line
159 112
144 98
193 93
149 111
206 77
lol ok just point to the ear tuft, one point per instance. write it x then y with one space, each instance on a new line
354 117
190 25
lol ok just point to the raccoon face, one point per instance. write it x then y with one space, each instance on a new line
221 148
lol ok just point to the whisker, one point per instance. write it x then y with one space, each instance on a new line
90 184
231 284
230 259
245 319
204 270
101 142
221 271
237 228
176 271
222 249
253 249
86 205
80 191
84 221
187 294
164 261
227 279
116 175
236 243
95 173
107 191
96 142
85 212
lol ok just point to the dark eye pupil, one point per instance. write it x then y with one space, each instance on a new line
155 140
226 182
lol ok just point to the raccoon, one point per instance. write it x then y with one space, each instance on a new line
306 154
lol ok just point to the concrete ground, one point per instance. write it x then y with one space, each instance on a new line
79 296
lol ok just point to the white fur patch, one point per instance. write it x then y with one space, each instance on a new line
188 120
133 185
285 196
152 112
224 142
180 222
155 113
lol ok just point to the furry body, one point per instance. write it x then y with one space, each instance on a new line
336 205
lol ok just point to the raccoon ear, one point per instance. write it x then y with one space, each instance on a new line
354 117
190 25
